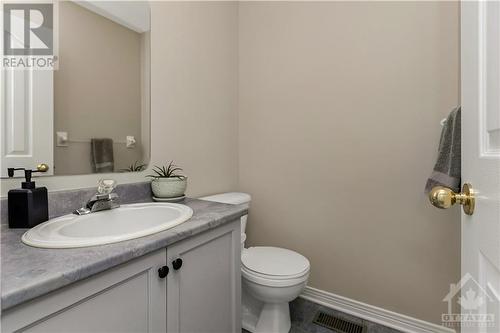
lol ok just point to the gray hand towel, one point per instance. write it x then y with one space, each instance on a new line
102 158
447 170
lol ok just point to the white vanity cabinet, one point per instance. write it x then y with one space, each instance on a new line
200 295
203 294
127 298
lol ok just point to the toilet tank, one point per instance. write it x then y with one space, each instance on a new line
232 198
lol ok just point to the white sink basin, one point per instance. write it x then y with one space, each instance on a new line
109 226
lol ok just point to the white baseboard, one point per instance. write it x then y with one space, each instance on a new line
372 313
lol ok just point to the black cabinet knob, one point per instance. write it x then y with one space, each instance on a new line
163 272
177 263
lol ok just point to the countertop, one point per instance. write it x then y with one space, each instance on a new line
28 272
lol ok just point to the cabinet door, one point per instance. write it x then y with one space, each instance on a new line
129 298
203 295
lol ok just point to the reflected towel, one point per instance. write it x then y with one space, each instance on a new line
447 170
102 158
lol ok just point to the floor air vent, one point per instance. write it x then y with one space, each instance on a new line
338 324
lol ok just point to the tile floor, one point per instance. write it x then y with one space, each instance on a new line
302 313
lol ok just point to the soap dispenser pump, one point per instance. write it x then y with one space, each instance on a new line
28 205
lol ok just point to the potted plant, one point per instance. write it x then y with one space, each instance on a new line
167 183
134 167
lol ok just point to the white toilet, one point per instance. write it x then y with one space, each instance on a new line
271 278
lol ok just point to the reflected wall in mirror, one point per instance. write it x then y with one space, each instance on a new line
92 114
101 89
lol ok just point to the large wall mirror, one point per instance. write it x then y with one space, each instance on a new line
91 114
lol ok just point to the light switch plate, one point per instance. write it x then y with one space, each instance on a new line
130 141
61 139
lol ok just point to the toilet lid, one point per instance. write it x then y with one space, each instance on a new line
274 261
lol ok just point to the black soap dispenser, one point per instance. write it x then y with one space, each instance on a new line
28 205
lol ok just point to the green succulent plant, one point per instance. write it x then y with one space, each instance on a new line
134 167
168 171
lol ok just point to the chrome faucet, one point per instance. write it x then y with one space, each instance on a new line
104 199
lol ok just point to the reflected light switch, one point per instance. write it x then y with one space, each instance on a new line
130 141
61 139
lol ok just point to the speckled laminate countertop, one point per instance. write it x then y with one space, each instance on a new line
28 272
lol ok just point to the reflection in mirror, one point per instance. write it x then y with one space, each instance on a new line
101 89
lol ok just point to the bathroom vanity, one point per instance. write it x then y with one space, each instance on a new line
185 279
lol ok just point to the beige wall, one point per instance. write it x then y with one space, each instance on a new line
96 92
194 85
339 110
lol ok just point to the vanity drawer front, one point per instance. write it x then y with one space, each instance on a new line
129 298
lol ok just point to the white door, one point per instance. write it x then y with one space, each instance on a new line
27 119
481 161
27 115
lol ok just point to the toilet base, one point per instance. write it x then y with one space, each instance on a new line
274 318
259 317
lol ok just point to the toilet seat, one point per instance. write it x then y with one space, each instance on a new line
274 266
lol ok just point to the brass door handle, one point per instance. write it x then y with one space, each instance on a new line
443 197
42 167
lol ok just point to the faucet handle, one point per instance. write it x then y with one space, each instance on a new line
106 186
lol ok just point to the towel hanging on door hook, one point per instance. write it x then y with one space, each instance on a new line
447 170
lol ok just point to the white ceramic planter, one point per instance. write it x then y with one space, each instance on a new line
169 187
